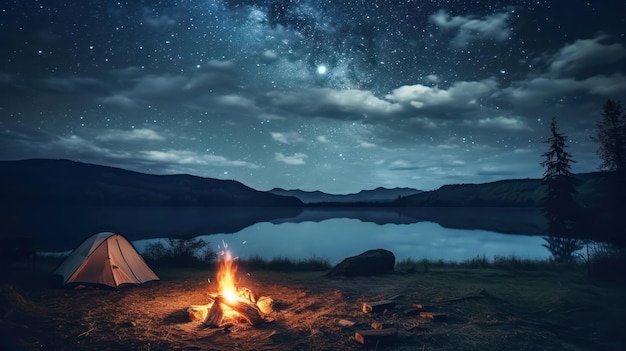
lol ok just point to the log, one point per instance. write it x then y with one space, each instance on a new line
198 312
375 336
250 313
215 315
378 306
435 316
423 307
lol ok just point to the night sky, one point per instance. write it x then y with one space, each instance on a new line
336 96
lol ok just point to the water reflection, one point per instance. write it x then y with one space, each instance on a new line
335 239
333 233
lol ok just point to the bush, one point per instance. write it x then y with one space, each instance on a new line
180 252
605 262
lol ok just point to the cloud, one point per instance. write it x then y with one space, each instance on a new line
322 139
535 92
84 148
221 64
367 145
142 134
118 100
433 78
460 94
269 56
471 28
287 138
160 21
72 85
233 100
403 165
186 157
583 54
209 85
500 122
331 103
295 159
77 147
156 21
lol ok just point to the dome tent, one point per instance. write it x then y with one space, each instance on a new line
105 258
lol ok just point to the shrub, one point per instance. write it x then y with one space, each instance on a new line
180 252
605 262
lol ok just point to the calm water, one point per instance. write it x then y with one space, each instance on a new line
336 239
453 234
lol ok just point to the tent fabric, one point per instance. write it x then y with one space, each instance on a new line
105 258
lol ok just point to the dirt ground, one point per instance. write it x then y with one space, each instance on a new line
486 309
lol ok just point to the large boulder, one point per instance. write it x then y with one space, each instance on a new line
370 262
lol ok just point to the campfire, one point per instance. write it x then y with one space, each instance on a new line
230 303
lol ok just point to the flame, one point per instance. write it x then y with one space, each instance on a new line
226 277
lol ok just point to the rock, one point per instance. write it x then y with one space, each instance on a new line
265 304
370 262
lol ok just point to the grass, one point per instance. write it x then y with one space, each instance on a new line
480 262
516 304
284 264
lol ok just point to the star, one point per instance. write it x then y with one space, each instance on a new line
273 89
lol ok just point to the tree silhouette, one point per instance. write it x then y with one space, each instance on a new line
612 137
559 205
563 249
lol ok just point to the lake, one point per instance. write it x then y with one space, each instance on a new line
451 234
336 239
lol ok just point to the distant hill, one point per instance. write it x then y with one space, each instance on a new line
64 182
507 193
379 194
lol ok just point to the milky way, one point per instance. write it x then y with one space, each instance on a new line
336 96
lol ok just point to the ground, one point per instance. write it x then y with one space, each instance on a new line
486 309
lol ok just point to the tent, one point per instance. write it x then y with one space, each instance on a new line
105 258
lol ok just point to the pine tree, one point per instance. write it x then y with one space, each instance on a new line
612 137
563 249
559 205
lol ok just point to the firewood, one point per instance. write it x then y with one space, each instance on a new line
373 336
247 311
435 316
378 306
423 307
215 315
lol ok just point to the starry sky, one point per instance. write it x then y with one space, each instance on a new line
336 96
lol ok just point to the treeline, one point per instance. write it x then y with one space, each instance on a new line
566 218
